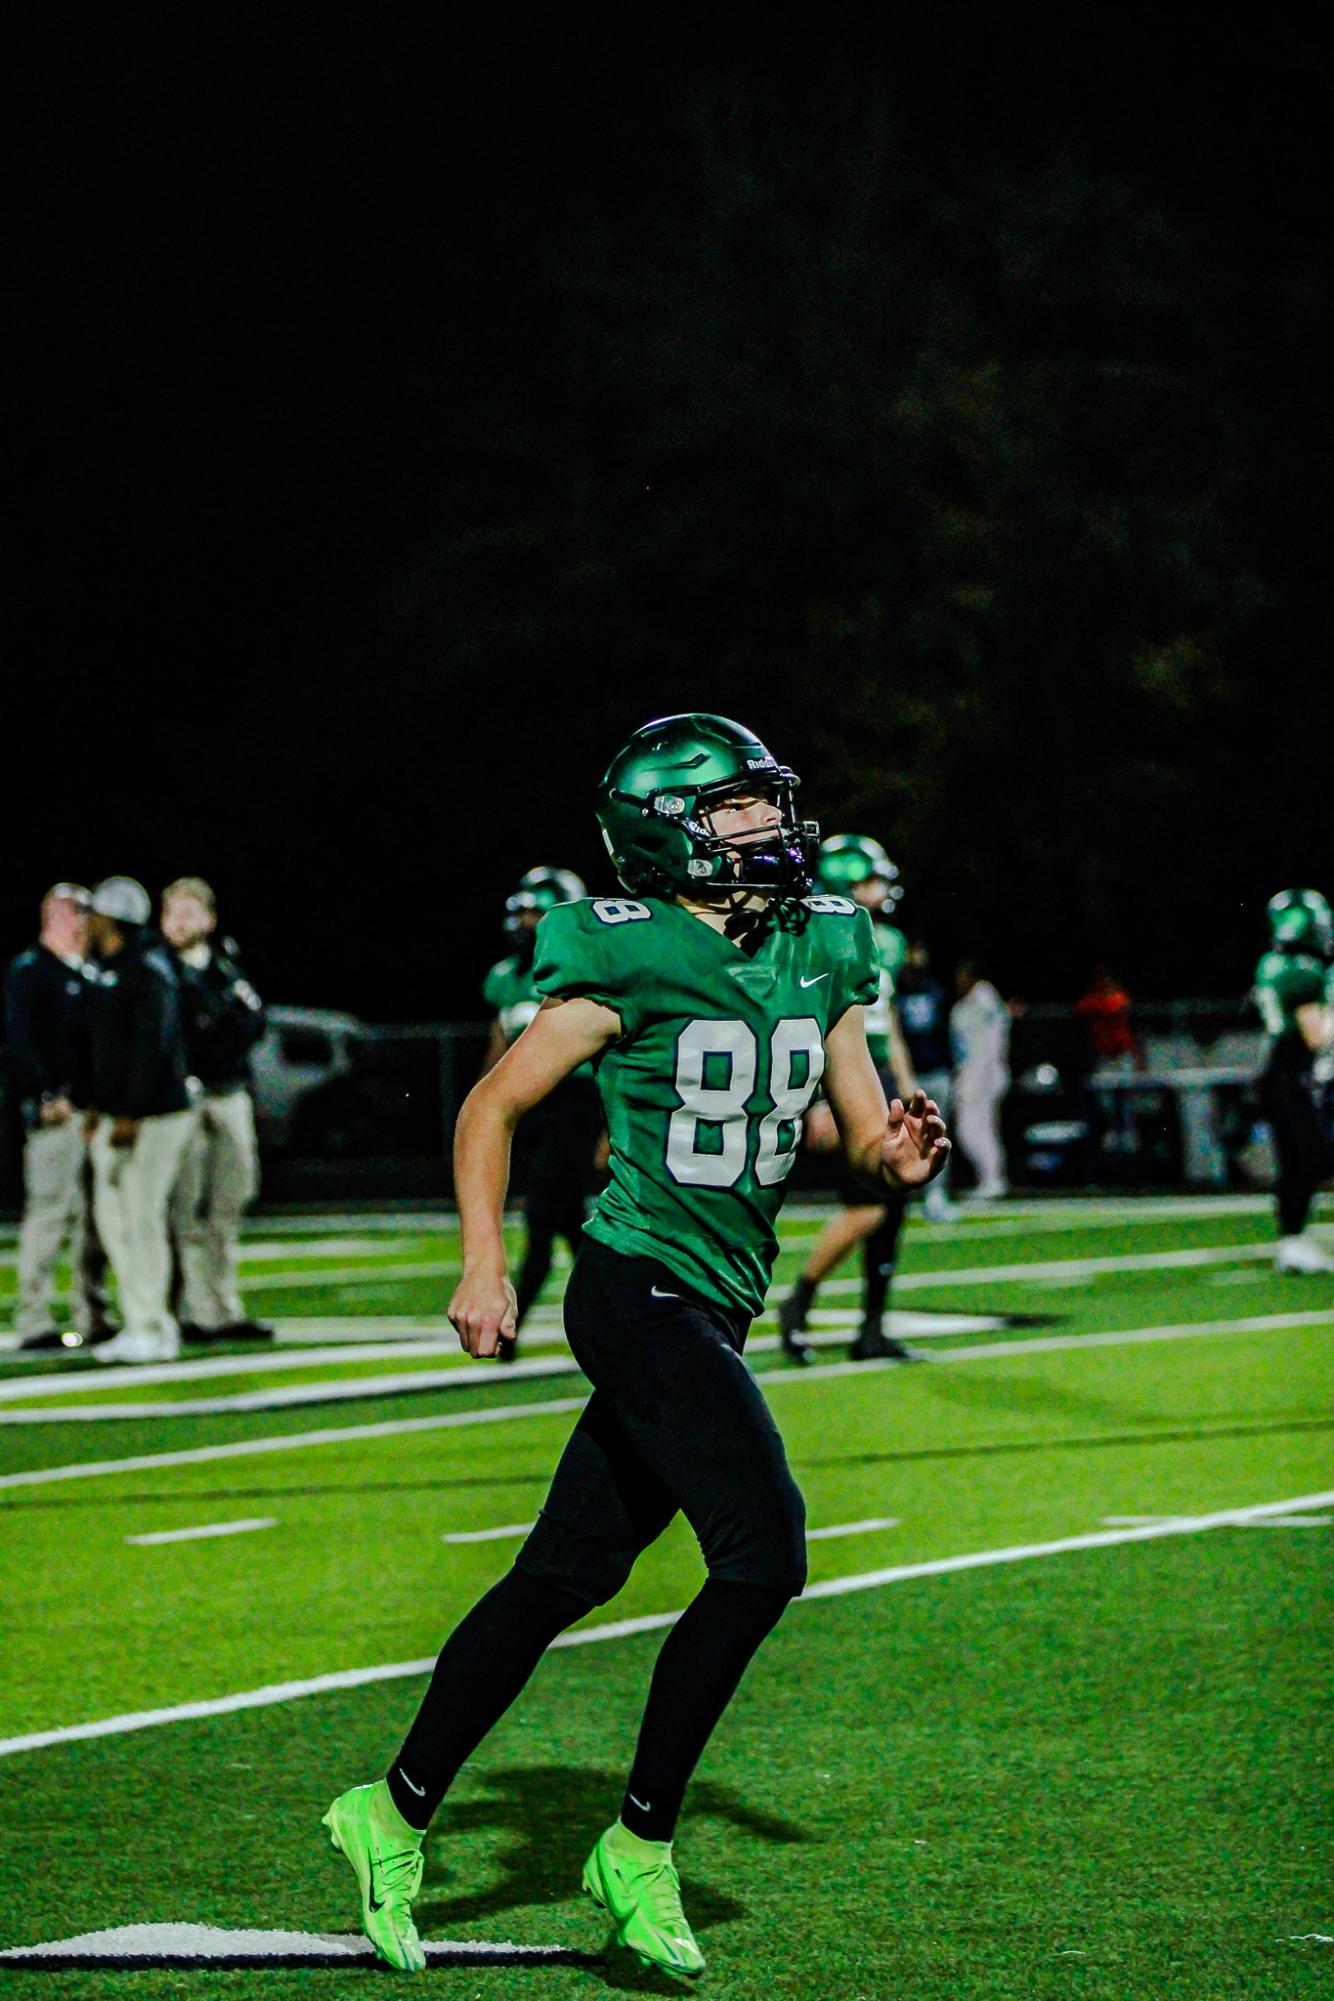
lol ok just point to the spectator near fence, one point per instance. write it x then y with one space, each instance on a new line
219 1172
924 1018
140 1119
46 994
980 1040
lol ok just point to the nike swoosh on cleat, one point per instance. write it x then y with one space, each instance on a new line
815 981
371 1902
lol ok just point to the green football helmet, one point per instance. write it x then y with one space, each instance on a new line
540 890
655 801
1300 920
847 859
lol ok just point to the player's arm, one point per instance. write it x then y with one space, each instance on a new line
495 1049
1315 1019
889 1148
562 1035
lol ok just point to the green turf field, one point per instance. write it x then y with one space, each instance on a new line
1091 1761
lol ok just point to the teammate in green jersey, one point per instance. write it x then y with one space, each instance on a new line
859 867
1294 991
559 1139
713 997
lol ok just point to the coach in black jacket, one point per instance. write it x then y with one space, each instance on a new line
46 996
137 1093
219 1177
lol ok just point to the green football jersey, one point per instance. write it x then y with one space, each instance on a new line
892 948
1285 981
509 992
704 1093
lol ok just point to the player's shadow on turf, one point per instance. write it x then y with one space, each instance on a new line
549 1816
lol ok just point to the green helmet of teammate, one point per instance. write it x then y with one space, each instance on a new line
847 859
540 890
660 789
1300 920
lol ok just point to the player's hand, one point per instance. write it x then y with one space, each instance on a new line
915 1146
124 1132
482 1312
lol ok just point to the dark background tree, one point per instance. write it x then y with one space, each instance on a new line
415 403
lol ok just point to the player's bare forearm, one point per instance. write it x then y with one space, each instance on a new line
889 1148
561 1037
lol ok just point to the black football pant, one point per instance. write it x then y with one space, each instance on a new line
676 1423
562 1139
1290 1100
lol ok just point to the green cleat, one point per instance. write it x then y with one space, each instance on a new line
636 1883
366 1827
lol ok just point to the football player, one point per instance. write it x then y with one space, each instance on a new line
1294 991
560 1137
859 867
713 997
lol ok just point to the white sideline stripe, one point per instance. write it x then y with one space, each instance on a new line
812 1535
77 1382
829 1587
188 1945
488 1535
822 1372
212 1529
336 1389
292 1441
1036 1271
380 1274
852 1528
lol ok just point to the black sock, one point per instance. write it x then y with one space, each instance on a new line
536 1265
702 1660
880 1253
803 1294
482 1666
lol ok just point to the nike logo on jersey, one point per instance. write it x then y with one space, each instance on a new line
658 1293
815 979
419 1790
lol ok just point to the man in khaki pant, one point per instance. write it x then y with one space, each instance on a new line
140 1117
46 992
219 1177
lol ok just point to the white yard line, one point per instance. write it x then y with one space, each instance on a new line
274 1281
511 1529
1266 1323
829 1587
1037 1271
833 1529
200 1534
501 1534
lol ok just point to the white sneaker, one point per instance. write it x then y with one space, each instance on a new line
1302 1254
128 1346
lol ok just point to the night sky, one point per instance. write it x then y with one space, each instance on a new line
416 399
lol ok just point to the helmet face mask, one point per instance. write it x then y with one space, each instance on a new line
847 861
1301 921
540 890
657 807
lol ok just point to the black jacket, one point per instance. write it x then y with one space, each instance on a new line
224 1018
45 1013
137 1061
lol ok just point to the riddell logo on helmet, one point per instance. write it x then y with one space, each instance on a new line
760 764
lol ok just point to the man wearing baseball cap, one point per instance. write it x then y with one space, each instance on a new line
46 998
137 1072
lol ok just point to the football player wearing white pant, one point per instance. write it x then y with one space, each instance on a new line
980 1038
141 1117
